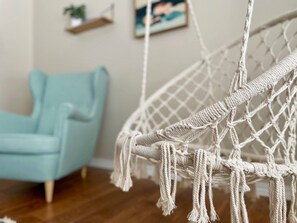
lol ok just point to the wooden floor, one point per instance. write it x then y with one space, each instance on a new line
95 200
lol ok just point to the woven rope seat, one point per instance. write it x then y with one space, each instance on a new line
214 128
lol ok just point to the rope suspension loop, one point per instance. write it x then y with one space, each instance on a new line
143 119
240 77
204 50
146 50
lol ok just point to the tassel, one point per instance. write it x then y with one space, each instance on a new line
167 191
292 213
213 214
116 176
277 197
234 189
121 176
199 212
238 187
244 188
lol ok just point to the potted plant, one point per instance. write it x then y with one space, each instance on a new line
77 14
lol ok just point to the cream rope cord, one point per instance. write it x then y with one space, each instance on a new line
204 50
192 147
146 52
240 77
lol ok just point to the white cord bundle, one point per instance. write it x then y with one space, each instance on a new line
121 175
167 190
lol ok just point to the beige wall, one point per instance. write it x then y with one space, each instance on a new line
16 54
115 46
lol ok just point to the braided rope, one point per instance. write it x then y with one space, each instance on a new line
204 51
240 77
145 60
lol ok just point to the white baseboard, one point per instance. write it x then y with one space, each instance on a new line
107 164
102 163
261 187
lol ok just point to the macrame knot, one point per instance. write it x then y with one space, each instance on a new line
240 78
260 170
230 125
270 100
236 153
270 159
248 116
242 68
121 177
160 134
272 171
167 190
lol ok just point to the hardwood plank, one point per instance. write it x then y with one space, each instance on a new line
95 200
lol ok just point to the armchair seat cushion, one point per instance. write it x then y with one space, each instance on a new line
28 144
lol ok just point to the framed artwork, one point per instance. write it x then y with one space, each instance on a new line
166 15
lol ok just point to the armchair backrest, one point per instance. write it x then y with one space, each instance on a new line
51 91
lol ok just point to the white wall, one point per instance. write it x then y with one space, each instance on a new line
115 46
16 54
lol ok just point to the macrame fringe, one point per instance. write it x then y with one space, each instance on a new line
277 198
121 177
199 213
238 187
293 208
167 190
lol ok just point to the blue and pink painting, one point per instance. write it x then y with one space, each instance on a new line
166 15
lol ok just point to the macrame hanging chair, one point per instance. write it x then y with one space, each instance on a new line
196 129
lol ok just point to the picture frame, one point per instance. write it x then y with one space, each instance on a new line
166 15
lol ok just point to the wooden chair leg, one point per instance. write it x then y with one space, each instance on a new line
49 190
84 172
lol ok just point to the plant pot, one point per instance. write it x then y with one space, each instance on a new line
75 22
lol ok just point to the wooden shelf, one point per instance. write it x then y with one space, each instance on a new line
90 24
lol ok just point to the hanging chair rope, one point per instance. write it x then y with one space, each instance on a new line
240 77
143 118
146 52
275 90
203 52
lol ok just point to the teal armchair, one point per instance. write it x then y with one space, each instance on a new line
60 136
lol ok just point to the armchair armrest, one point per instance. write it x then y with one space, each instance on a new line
78 135
69 112
14 123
